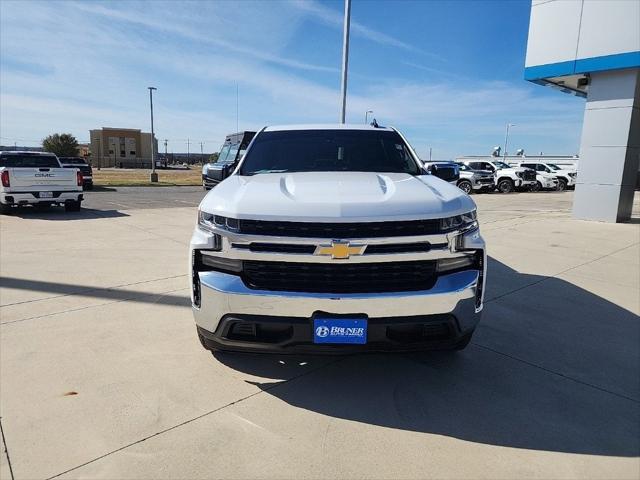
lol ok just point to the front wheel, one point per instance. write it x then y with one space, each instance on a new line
536 187
562 185
72 206
465 186
505 185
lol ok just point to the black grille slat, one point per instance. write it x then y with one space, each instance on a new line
375 249
340 278
340 230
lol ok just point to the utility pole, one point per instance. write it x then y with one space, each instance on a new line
430 149
188 152
506 142
237 110
201 154
345 59
154 175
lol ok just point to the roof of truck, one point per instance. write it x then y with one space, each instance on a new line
327 126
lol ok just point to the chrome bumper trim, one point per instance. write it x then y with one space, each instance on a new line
222 294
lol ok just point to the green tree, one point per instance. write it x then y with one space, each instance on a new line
62 144
213 158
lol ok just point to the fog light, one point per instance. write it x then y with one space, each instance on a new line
455 263
221 263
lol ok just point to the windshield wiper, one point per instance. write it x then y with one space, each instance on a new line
263 171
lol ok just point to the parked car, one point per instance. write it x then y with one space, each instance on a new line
447 171
36 178
507 178
475 180
566 176
335 239
230 154
545 181
82 165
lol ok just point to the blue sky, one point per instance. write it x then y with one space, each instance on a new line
449 74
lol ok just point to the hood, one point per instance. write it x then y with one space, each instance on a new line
335 197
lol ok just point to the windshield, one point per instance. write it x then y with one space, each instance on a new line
28 161
501 165
228 153
464 168
329 151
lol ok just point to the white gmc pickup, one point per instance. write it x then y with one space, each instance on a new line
35 178
335 239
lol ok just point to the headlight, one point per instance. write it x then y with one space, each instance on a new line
205 222
572 174
209 221
466 221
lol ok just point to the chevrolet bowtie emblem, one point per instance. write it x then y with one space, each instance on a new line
340 250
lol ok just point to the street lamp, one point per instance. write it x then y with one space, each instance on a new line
345 59
506 141
154 175
366 116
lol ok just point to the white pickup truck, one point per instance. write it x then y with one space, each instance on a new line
335 238
36 178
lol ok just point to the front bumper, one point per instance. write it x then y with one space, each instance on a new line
225 300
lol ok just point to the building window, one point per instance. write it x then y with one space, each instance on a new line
132 152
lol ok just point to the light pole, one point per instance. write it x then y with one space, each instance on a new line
366 116
506 142
345 59
201 154
154 175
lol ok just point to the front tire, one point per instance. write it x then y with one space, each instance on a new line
505 185
536 187
562 185
72 206
465 186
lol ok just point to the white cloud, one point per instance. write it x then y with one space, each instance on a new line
96 62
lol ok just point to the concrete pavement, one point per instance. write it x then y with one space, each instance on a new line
101 374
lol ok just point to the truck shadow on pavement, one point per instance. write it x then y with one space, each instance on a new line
552 367
107 293
58 214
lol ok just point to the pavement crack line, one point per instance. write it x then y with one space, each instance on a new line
555 275
92 289
6 450
191 420
540 367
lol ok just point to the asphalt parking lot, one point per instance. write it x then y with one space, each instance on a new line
102 376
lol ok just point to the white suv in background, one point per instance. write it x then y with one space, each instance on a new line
566 177
508 178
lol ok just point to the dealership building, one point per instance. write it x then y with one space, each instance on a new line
121 147
591 48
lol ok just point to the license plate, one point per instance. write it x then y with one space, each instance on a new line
46 194
340 330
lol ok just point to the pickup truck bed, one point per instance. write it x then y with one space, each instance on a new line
34 178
